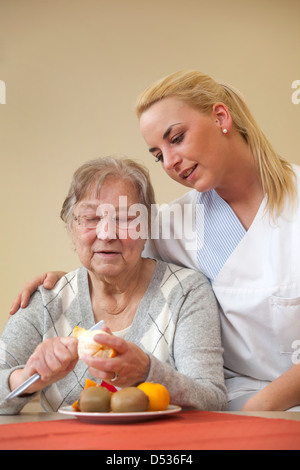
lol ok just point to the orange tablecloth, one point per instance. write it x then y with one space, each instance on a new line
189 430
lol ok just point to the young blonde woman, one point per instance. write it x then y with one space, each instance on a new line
245 230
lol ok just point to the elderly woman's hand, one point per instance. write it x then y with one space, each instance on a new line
52 360
129 368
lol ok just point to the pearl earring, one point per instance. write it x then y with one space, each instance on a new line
224 131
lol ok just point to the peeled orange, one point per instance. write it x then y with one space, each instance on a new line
77 331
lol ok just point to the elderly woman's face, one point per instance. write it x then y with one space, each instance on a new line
113 247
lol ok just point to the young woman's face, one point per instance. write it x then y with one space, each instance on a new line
190 145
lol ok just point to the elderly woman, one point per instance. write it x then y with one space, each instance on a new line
163 318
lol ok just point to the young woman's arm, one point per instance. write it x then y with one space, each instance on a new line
280 395
48 280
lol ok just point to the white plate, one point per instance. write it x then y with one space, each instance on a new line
106 418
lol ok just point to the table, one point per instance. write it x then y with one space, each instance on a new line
188 430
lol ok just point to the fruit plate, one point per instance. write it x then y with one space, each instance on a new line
119 418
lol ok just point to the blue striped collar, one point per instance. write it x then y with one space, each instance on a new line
219 231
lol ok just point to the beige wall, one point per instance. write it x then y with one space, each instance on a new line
73 69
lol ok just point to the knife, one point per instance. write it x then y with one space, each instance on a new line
34 378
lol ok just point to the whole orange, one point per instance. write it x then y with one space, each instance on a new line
159 398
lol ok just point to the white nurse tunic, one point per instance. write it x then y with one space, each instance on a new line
258 289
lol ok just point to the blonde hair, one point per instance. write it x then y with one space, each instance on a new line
202 92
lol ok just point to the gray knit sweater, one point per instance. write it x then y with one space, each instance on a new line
177 324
